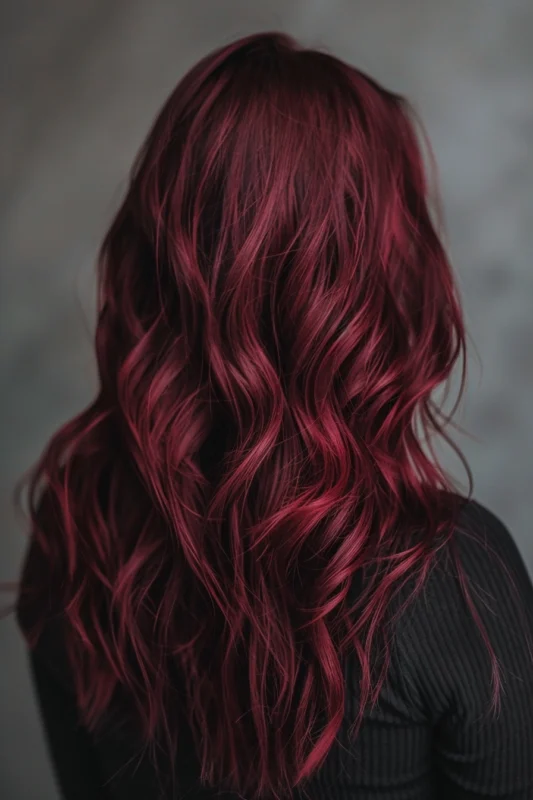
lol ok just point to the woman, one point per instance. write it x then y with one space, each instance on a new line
246 577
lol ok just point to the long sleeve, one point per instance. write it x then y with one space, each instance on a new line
75 766
86 767
430 737
476 754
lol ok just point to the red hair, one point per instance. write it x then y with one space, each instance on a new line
276 309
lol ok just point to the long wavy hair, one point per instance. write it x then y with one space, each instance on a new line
276 309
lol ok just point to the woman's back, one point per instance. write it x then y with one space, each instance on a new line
226 533
429 736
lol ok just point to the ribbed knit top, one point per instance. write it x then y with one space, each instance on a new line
431 735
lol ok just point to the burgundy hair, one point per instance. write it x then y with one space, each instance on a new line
275 311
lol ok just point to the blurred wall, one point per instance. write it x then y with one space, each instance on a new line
81 83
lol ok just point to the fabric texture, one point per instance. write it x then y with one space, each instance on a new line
430 736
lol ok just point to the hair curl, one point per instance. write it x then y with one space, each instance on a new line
276 309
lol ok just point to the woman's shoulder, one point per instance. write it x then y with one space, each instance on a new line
483 556
478 596
480 556
481 533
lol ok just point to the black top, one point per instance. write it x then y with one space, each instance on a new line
429 737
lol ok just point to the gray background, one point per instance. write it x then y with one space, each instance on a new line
81 83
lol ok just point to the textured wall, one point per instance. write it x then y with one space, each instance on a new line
80 85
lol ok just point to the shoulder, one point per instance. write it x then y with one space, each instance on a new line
482 553
481 534
480 558
483 557
477 598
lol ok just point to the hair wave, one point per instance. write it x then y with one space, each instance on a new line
276 309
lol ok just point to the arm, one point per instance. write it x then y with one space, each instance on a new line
478 754
106 766
68 743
